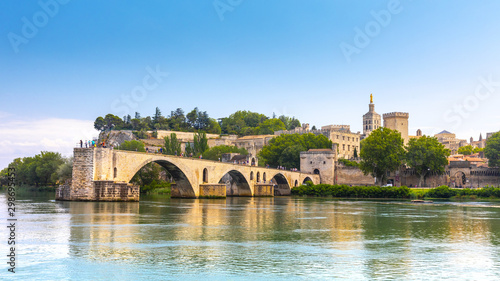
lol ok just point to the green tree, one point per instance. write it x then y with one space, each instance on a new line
65 170
200 144
99 124
288 157
274 152
215 153
492 150
290 123
468 150
238 122
213 127
172 145
269 126
426 156
381 152
132 145
355 152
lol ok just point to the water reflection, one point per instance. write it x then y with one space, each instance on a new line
260 238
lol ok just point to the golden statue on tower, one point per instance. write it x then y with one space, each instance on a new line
371 98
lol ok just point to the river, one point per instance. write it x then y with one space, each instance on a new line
252 239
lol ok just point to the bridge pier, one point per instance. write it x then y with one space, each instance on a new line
209 190
263 190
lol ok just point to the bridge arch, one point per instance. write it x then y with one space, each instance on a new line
281 185
306 180
184 187
236 183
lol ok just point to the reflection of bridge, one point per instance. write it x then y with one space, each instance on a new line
104 174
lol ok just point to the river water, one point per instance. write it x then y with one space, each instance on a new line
252 239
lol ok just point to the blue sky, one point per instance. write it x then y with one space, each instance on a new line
439 61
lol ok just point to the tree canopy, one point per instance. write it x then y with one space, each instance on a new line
132 145
44 169
195 120
285 149
492 150
468 150
215 153
381 152
426 155
172 145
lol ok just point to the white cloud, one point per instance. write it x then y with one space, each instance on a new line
21 138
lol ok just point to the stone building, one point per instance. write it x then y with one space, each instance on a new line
347 142
450 141
253 144
398 121
371 120
481 143
320 162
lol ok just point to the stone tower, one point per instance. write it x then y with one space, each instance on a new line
398 121
371 120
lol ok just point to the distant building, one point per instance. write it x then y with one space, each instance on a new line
450 141
398 121
347 142
371 120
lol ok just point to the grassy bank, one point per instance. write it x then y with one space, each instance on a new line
389 192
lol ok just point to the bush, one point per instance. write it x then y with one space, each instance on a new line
349 163
441 192
345 191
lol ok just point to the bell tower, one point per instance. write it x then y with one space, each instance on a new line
371 120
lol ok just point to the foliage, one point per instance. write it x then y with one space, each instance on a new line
468 150
142 134
132 145
242 123
269 126
40 170
345 191
149 178
382 152
216 152
349 163
355 153
195 120
275 155
172 145
109 122
492 150
426 155
65 170
200 144
290 123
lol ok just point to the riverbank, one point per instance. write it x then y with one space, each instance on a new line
390 192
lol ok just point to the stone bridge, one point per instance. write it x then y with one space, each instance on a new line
103 174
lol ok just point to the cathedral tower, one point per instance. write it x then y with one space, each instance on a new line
371 120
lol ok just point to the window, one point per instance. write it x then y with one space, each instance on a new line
324 162
115 172
343 147
205 175
348 147
343 137
251 175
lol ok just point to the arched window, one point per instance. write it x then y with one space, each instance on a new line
296 183
205 175
251 176
258 176
115 173
316 171
264 176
